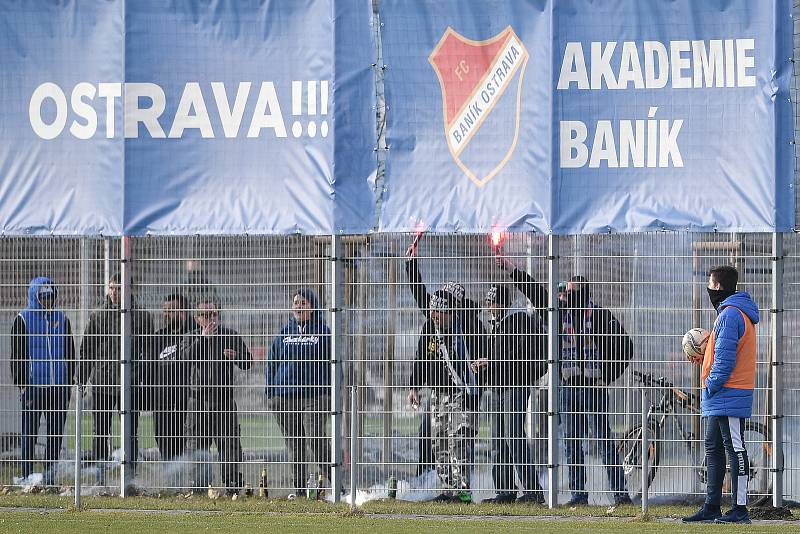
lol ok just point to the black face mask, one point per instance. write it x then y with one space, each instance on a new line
718 295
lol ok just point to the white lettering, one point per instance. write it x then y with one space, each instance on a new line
191 99
573 68
267 101
83 110
147 116
54 93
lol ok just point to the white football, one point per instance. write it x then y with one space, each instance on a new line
694 343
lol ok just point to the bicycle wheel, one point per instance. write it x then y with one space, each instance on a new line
630 452
759 454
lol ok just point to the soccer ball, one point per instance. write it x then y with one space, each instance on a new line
694 344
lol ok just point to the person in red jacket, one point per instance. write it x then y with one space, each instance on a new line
728 379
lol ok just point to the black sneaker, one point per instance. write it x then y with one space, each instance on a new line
621 499
738 514
501 498
706 514
531 497
578 500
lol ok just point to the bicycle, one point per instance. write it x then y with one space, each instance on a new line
757 443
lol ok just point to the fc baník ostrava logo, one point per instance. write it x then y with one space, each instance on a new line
481 116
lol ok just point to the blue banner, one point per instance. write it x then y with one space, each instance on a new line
60 157
622 116
187 118
468 120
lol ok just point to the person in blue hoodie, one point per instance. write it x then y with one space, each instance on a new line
42 365
728 377
298 385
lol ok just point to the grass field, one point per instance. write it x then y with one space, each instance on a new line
143 522
142 515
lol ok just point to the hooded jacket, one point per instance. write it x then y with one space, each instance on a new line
299 359
100 349
729 364
42 348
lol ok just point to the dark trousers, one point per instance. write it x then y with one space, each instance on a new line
424 450
168 425
52 403
725 435
303 421
510 450
217 424
583 407
106 404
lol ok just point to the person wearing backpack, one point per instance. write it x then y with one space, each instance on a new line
594 350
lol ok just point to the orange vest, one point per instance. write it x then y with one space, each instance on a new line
744 372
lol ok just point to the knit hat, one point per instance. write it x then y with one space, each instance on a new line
499 294
456 290
442 301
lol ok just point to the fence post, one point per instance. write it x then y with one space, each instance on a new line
553 328
353 445
337 353
126 404
78 435
776 341
645 444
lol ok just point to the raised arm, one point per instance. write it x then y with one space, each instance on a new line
417 286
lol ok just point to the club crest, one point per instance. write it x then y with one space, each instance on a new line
480 124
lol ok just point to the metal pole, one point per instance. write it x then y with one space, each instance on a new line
126 398
106 262
553 329
78 433
337 353
645 470
777 361
353 444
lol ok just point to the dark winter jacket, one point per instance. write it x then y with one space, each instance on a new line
518 355
212 376
42 348
169 371
431 370
469 314
100 349
614 346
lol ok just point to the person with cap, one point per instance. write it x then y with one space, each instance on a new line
42 366
469 315
214 353
443 363
169 376
516 362
594 351
100 365
298 381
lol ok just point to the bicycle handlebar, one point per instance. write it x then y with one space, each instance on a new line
649 380
688 400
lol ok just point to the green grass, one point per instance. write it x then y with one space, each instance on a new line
138 522
122 516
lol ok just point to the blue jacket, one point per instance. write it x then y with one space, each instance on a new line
299 361
43 352
729 330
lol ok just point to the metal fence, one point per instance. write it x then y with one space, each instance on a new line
262 400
